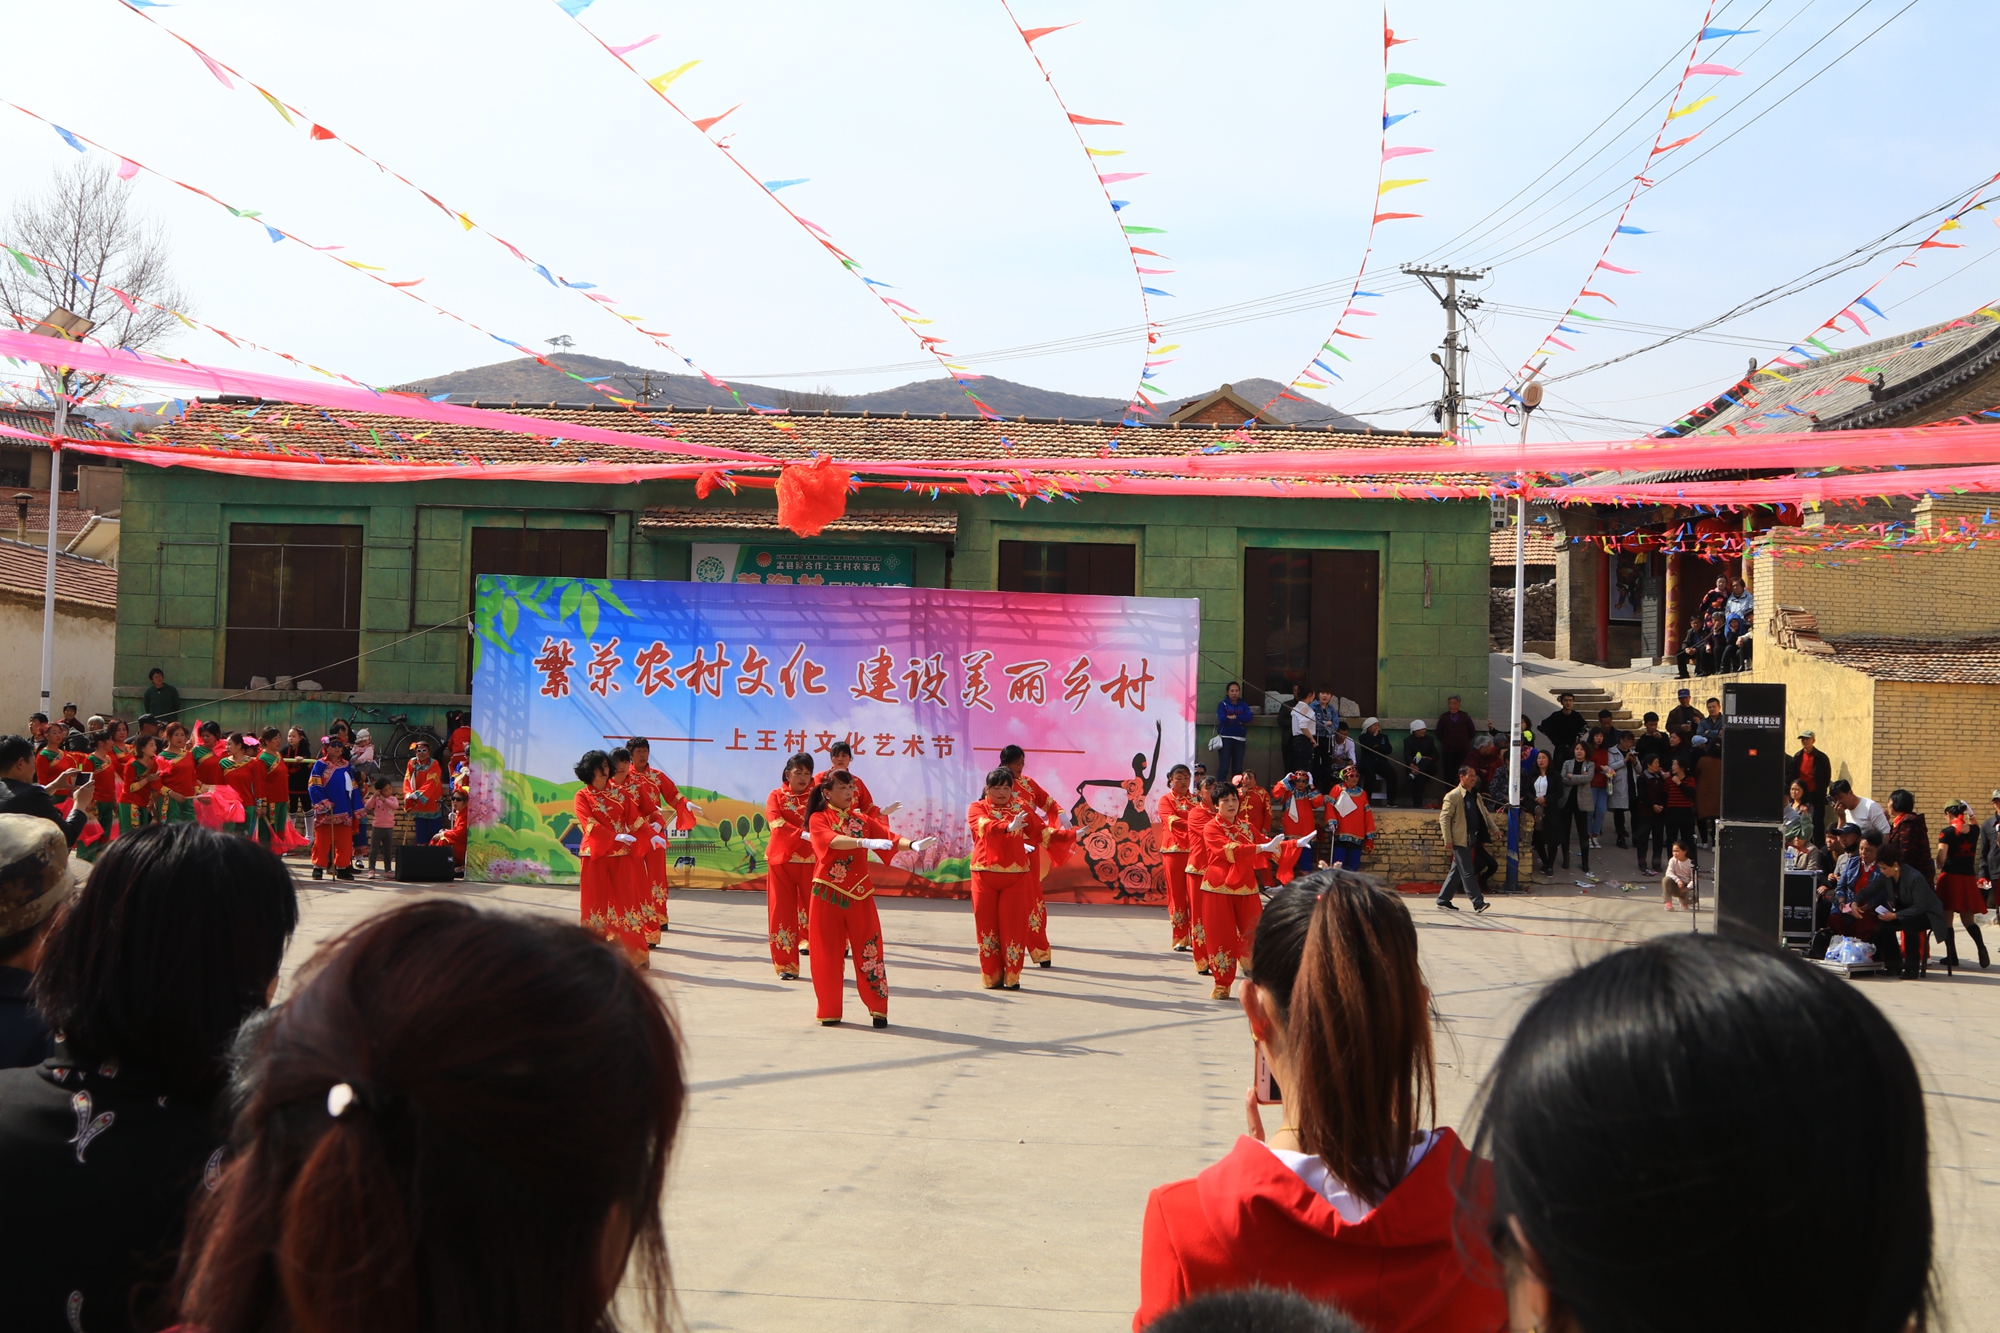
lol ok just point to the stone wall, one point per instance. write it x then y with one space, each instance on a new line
1538 621
1408 847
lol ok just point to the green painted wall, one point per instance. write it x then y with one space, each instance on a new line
173 563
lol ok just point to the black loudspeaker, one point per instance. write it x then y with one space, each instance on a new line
1802 906
424 865
1753 753
1750 882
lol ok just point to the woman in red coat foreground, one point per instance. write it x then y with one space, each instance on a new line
1351 1200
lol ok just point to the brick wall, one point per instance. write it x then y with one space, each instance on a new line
1408 847
1937 741
1916 595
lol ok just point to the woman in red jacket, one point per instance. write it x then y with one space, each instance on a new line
1171 815
1352 1199
1007 834
1238 856
843 913
1199 816
788 865
604 849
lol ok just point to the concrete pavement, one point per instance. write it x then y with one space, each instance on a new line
985 1161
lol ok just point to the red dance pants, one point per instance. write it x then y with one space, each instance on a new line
1173 865
1228 920
612 888
1197 927
655 904
1038 912
333 845
832 929
787 893
1001 901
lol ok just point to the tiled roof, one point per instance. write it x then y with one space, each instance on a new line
79 582
921 524
1541 546
1969 661
1923 374
227 423
43 422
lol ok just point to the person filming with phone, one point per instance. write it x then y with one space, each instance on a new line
23 796
1351 1199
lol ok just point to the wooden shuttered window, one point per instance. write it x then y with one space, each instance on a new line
1102 569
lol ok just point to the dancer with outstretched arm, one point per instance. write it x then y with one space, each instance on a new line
842 915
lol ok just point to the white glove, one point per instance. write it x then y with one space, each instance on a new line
660 843
657 826
923 844
1271 846
1018 822
892 808
625 837
879 844
693 808
1307 841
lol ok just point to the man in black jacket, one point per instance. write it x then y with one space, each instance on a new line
1988 866
20 796
1912 909
1811 769
1561 728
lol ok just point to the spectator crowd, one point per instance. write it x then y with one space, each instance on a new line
336 799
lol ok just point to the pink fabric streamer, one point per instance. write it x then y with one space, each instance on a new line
187 374
218 806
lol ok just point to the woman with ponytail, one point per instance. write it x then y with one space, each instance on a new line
1352 1199
459 1124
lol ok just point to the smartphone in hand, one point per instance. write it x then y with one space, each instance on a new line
1266 1083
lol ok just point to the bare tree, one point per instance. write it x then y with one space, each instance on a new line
84 225
811 400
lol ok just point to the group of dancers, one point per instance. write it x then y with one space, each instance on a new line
826 832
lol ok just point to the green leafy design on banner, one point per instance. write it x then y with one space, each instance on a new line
502 599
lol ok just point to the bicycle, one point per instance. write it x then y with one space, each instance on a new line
394 758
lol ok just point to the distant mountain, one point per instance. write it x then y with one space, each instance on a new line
528 381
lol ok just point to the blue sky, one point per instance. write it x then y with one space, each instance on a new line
933 152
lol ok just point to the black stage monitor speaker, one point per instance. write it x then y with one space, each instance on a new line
1804 908
1753 753
424 865
1750 882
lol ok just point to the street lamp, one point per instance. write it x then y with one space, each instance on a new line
70 327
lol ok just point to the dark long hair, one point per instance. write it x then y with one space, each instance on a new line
1648 1118
817 801
171 943
517 1088
1337 953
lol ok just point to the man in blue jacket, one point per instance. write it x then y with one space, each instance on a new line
1232 724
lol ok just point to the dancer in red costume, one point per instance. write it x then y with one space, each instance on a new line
1015 760
1006 836
839 759
659 796
604 846
843 912
1200 815
788 865
1230 901
1171 816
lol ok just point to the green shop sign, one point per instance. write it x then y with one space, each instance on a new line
730 562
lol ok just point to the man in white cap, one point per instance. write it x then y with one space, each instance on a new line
35 878
1374 757
1420 756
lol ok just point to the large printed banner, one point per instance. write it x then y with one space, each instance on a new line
926 684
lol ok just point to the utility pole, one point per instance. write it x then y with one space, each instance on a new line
1450 407
70 328
1531 398
644 390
